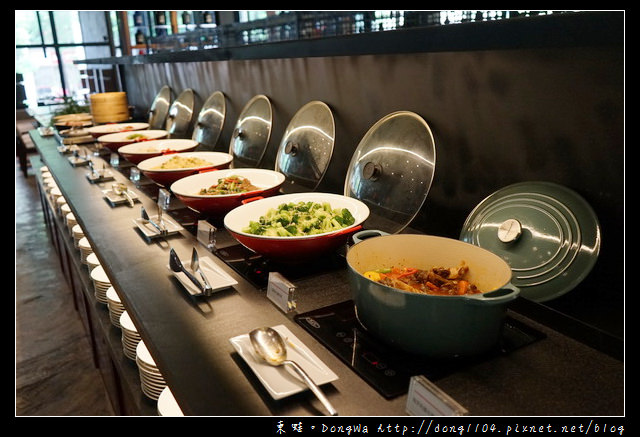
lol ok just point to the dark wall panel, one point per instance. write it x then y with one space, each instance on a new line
498 117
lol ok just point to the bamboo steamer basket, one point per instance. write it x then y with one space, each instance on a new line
109 107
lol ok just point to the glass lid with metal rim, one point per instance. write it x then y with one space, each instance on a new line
548 233
160 108
392 169
210 120
251 133
306 147
180 114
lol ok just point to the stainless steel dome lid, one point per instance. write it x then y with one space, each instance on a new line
210 120
160 108
252 132
392 169
306 147
180 114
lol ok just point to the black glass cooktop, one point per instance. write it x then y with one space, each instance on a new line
386 369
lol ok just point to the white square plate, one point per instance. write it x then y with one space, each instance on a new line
283 381
218 279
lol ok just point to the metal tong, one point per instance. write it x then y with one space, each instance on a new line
177 266
159 226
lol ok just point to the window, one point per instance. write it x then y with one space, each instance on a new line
48 43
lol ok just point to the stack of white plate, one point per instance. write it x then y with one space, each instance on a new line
151 380
49 184
60 202
85 249
64 210
78 234
130 336
101 284
92 261
115 306
71 220
54 194
167 405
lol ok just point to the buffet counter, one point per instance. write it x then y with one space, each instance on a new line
189 337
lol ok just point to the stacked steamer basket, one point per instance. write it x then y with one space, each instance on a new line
101 284
116 308
151 380
109 107
130 336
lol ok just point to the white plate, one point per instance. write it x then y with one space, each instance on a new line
218 279
283 381
167 405
150 231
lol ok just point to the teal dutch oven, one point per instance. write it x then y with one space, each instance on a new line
430 325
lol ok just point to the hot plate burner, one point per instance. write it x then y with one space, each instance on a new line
384 368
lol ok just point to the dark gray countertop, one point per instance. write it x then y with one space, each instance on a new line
189 338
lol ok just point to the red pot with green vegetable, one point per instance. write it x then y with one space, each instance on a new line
296 227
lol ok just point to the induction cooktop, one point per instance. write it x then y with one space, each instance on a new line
389 370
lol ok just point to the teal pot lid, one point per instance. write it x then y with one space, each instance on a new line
549 235
392 169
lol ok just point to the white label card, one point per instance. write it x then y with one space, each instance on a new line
281 292
426 399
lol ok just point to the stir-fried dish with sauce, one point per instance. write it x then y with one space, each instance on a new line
229 185
442 281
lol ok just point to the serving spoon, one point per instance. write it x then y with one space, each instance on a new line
271 347
195 267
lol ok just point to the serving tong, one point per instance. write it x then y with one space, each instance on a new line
160 226
177 266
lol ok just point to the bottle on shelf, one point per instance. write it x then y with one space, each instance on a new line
140 39
186 18
160 18
138 18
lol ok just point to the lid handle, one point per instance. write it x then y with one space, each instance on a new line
509 231
291 148
371 171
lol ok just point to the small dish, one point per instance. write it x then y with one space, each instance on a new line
150 231
117 199
218 279
282 381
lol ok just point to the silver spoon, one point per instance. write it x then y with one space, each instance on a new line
270 346
177 266
121 190
195 267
